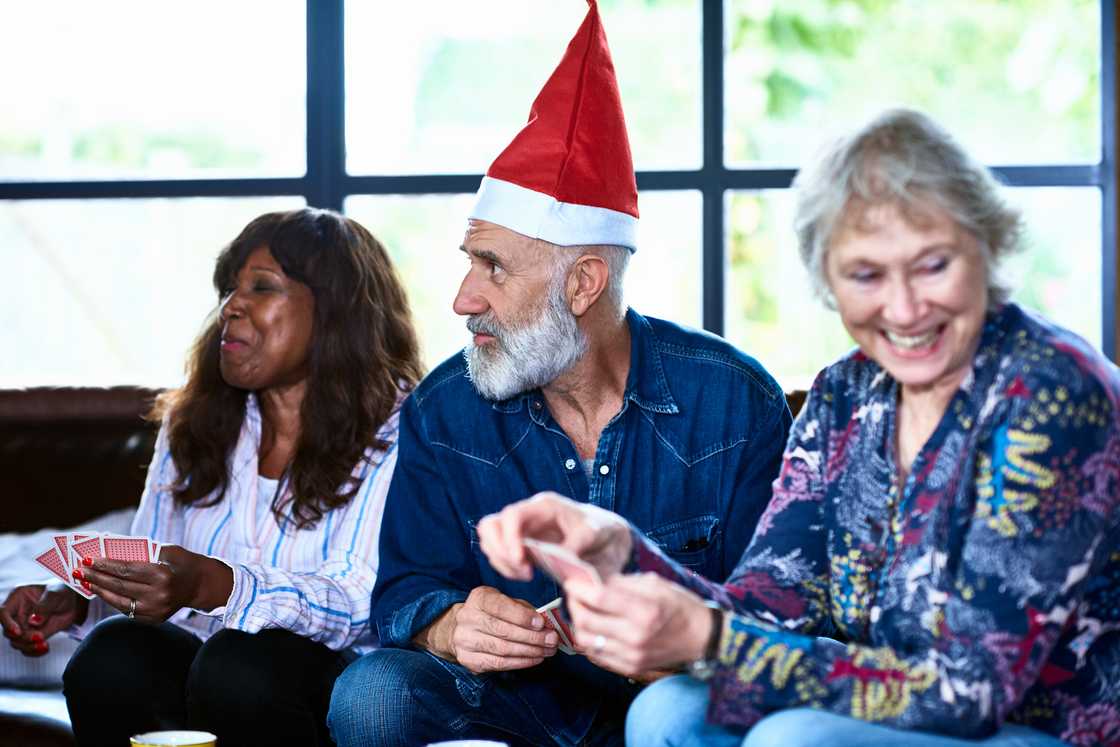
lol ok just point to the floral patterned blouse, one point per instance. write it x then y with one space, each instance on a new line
985 588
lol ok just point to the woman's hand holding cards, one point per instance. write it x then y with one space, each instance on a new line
490 632
153 592
594 535
631 624
34 613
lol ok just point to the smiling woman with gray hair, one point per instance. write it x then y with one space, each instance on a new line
940 560
903 158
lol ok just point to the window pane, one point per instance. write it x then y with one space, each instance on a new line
665 275
463 76
773 315
152 90
1017 82
106 292
423 235
771 312
1059 272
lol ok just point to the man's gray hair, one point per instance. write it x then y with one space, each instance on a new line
616 257
902 158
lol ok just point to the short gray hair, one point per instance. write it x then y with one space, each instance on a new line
904 158
616 257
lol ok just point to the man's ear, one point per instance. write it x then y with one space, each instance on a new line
587 280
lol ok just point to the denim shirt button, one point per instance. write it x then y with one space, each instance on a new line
537 404
570 464
604 469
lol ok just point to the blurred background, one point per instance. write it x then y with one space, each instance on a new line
137 138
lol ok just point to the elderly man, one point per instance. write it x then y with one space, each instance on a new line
561 388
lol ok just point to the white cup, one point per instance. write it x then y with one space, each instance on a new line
174 739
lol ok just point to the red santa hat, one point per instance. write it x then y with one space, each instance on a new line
568 177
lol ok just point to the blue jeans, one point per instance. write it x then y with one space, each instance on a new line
672 712
399 697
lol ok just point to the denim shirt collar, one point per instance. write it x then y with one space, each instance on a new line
646 386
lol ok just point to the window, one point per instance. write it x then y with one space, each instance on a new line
143 141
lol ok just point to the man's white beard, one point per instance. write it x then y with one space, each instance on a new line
525 357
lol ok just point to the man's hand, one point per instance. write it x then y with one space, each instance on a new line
490 632
595 535
33 613
180 579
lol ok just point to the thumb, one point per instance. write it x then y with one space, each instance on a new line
51 600
45 613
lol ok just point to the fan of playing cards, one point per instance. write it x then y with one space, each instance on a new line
68 550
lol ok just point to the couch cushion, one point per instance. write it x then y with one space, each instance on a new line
68 455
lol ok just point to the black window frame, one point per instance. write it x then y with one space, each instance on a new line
327 184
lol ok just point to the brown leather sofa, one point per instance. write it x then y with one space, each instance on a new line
68 456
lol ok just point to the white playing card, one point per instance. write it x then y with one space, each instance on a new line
561 563
555 620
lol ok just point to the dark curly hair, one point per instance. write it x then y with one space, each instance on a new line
364 352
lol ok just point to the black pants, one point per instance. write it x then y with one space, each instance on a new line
272 687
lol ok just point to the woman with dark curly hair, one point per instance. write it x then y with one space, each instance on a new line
266 489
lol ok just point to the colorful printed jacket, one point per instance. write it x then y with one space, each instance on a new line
987 589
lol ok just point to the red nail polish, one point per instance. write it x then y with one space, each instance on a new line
77 574
35 618
87 562
41 648
36 637
13 630
85 585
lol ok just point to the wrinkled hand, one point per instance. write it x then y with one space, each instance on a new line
492 632
34 613
592 533
646 623
180 579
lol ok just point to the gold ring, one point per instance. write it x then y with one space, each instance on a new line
131 609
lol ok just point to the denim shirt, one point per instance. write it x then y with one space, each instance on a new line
688 459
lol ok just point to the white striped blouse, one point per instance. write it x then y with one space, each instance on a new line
315 581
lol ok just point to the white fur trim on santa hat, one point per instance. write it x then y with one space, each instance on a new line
540 216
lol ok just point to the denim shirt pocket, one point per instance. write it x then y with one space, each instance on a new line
692 542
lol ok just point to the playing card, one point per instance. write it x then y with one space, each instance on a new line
89 547
71 558
51 559
134 549
554 616
62 542
560 563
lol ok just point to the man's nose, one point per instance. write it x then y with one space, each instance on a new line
468 301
